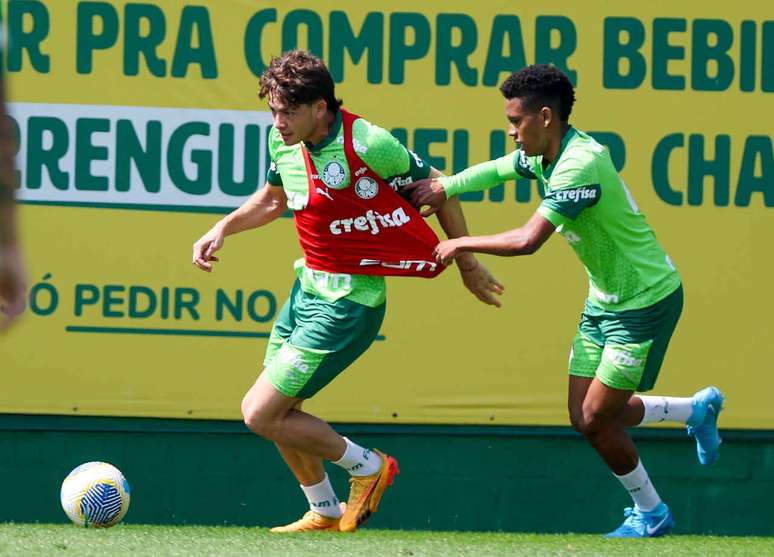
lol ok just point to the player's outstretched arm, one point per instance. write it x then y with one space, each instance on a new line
475 276
525 240
261 208
429 195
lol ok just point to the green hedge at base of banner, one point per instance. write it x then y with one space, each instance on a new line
532 479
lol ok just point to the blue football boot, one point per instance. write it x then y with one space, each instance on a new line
641 524
703 424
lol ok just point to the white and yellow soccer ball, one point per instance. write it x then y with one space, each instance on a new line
95 495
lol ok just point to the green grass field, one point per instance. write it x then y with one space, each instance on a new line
157 541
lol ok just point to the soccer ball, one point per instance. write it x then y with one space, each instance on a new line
95 495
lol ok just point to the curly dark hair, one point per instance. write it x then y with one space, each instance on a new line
541 85
299 77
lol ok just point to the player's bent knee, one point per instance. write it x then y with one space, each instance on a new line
576 421
258 421
588 423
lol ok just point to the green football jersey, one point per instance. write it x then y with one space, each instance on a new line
590 205
381 151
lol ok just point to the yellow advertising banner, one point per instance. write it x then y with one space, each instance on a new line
139 125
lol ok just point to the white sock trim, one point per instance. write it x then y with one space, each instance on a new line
638 484
666 409
322 499
359 461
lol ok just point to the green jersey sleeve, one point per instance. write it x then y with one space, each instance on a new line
574 187
524 165
481 176
388 157
273 176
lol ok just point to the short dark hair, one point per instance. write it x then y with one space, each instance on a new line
299 77
541 85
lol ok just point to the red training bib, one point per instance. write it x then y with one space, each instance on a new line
366 228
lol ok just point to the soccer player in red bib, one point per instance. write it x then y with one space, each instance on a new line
341 177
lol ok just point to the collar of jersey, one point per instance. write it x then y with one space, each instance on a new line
328 138
568 135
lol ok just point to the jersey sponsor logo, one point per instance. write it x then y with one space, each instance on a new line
399 181
417 159
334 174
370 222
577 194
407 264
366 188
569 202
360 171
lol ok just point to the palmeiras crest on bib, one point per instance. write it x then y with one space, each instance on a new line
334 174
366 188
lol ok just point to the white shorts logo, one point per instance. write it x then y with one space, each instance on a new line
366 188
334 174
294 360
620 358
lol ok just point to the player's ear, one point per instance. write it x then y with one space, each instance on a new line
320 108
547 115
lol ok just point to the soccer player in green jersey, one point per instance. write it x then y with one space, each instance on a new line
329 318
635 293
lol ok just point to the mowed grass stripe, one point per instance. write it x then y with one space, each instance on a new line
160 541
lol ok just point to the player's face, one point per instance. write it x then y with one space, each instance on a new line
528 128
295 123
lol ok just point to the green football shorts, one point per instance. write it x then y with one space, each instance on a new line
625 350
313 340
